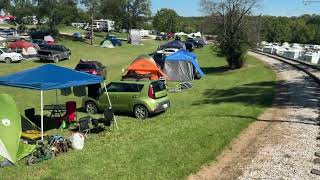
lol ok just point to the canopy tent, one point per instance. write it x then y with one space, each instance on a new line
49 77
144 66
27 47
182 66
174 44
10 131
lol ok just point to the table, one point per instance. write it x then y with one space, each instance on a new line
57 110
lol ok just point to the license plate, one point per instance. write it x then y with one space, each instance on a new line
165 106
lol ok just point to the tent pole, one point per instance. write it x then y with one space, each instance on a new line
56 96
115 119
41 92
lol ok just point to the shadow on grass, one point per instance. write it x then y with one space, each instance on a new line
302 120
215 70
260 94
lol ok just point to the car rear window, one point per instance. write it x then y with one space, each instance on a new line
124 87
158 86
86 66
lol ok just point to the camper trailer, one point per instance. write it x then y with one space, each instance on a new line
292 54
101 25
311 57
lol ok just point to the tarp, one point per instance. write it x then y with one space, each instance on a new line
145 65
174 44
10 131
49 77
107 44
177 66
27 48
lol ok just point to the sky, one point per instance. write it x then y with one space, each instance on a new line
267 7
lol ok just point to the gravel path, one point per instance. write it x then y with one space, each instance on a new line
282 143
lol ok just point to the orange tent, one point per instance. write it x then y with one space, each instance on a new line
144 67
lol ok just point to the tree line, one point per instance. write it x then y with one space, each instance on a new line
303 29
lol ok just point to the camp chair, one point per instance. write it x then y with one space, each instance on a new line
107 120
71 114
84 127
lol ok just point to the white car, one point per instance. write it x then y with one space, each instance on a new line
168 51
9 57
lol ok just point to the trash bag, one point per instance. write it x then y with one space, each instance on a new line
77 141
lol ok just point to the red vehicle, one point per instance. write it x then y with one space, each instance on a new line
170 35
92 67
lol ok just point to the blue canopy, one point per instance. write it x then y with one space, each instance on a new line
183 55
49 77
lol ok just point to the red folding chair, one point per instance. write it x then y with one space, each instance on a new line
70 116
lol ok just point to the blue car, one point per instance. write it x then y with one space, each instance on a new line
114 40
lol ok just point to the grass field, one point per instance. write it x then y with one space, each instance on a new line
201 123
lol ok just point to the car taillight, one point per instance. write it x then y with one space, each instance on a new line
94 72
150 92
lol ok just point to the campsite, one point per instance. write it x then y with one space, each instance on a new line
144 144
142 89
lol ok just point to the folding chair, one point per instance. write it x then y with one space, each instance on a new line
71 114
84 127
107 120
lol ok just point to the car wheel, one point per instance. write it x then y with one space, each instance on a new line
8 60
91 108
141 112
56 59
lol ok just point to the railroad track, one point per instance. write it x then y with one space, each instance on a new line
314 72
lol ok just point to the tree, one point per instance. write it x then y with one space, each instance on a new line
135 11
5 4
128 14
234 28
166 20
92 6
55 12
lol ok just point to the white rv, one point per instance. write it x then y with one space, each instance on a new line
311 57
292 53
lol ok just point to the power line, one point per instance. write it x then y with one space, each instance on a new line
307 2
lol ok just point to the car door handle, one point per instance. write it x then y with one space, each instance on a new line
135 96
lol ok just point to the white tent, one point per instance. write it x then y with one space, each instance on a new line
135 37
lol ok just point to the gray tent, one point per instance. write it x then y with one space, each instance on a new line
135 37
179 70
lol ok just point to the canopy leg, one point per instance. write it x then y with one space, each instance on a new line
41 92
115 118
56 96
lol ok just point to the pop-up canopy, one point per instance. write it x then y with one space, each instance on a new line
49 77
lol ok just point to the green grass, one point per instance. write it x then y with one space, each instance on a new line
201 123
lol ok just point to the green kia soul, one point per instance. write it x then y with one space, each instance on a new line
142 98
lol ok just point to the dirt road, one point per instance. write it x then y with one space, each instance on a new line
282 142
